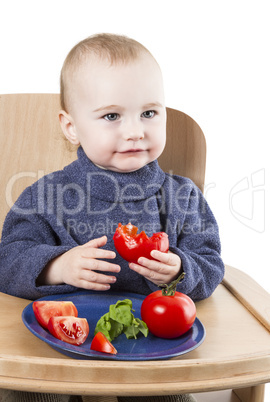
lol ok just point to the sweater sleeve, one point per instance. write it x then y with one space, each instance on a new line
197 243
199 248
28 244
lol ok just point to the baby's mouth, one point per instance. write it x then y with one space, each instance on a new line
132 150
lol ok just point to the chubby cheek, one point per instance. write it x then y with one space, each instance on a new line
100 152
158 145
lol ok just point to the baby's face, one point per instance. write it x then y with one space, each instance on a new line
118 113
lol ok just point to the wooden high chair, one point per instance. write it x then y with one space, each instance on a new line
236 352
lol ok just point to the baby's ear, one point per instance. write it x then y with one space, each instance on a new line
68 127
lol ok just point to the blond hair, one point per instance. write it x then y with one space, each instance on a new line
111 47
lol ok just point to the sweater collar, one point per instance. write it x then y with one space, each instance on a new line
113 186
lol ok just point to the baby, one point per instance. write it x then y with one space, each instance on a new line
61 239
113 108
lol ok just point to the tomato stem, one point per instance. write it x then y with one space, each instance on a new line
169 290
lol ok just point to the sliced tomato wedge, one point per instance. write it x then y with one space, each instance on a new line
44 310
69 329
101 344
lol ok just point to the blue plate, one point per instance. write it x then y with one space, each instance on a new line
92 305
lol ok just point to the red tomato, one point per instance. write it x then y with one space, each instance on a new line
131 245
44 310
101 344
168 316
69 329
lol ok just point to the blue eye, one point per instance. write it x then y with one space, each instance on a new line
149 114
111 116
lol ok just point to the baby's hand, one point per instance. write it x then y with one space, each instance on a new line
163 269
77 267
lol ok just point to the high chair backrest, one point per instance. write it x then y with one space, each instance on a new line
32 145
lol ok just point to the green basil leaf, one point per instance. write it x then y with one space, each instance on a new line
116 329
104 326
120 320
131 332
142 327
120 312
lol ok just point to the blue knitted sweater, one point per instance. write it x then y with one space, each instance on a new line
81 202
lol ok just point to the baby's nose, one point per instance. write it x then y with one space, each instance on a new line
134 131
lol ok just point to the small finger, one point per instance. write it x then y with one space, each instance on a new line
157 276
94 286
100 265
142 270
166 258
98 253
169 259
95 277
153 265
98 242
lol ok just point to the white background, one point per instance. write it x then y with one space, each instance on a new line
216 63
